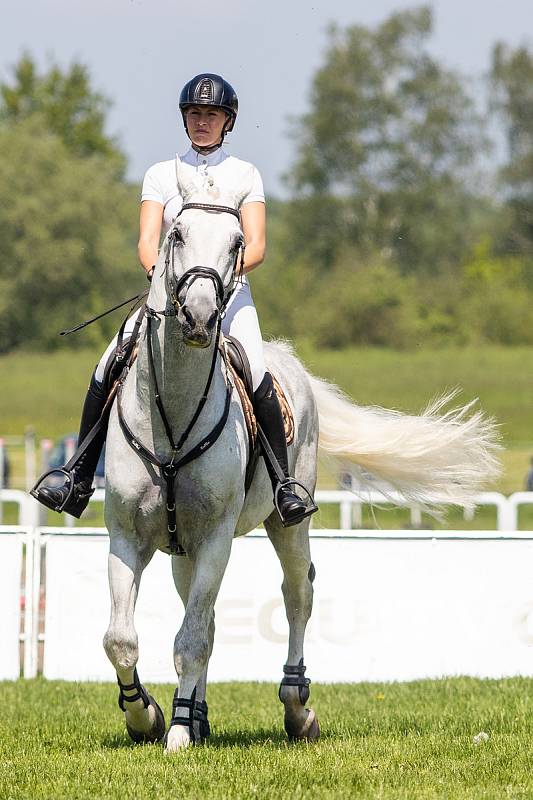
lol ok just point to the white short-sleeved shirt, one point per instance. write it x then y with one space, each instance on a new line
227 172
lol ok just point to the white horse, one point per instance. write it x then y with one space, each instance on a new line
432 459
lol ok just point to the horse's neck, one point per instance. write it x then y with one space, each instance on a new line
182 373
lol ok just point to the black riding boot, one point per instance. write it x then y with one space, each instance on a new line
292 509
81 477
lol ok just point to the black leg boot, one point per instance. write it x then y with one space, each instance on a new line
292 509
81 477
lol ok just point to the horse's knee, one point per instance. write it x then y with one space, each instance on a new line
121 648
191 652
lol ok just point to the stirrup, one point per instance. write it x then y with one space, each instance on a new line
306 511
295 676
69 480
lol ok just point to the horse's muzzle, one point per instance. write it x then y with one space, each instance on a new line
199 337
197 332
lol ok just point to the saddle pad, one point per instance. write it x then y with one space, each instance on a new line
247 407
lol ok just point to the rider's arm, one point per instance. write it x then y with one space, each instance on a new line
150 232
253 218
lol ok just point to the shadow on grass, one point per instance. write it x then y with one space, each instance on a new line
248 738
237 738
117 741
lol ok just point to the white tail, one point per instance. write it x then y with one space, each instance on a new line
432 459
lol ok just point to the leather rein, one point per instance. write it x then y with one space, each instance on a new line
169 468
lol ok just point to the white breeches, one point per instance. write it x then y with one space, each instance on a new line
240 321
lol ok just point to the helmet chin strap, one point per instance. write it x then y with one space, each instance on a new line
205 151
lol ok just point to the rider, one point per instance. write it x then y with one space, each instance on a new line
209 108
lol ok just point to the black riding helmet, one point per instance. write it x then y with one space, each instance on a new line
208 89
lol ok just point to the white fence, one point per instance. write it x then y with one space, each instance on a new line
388 604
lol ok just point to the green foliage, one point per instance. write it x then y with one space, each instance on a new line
68 107
396 741
67 228
393 137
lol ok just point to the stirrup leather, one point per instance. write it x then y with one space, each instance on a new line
295 676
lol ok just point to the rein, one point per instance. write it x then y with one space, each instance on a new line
169 468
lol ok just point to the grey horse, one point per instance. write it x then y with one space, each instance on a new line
433 458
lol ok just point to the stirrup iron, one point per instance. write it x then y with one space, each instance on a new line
69 480
306 512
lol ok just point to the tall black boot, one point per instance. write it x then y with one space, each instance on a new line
292 509
81 477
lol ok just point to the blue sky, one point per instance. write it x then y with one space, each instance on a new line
140 52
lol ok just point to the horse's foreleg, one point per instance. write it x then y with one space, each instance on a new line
292 548
194 641
181 571
144 718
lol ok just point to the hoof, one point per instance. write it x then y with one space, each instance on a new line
157 731
176 739
309 731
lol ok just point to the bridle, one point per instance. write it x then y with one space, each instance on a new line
169 468
174 287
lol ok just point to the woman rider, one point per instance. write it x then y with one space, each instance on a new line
209 108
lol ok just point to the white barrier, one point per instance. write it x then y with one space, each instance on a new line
350 505
249 612
394 606
17 543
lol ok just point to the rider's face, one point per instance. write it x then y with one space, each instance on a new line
204 124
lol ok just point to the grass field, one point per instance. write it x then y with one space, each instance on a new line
403 741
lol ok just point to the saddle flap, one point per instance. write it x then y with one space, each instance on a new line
242 377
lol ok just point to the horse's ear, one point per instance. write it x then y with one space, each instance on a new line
246 186
185 186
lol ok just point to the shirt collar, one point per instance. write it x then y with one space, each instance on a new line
196 159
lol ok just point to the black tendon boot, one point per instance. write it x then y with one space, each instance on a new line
292 509
81 477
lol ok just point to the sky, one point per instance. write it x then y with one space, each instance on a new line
141 52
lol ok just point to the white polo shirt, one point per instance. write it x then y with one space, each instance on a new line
227 172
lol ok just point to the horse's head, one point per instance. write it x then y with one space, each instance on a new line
202 256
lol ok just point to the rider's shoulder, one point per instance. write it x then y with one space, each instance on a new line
161 167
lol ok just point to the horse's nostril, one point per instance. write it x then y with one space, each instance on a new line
212 320
188 316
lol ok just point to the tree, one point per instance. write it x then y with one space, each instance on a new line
67 237
393 138
68 106
512 100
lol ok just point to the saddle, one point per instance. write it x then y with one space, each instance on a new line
242 378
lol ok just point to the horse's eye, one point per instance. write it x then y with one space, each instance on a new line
178 238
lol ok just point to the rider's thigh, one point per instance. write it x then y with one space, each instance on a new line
241 322
99 372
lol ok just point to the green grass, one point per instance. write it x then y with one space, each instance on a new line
402 741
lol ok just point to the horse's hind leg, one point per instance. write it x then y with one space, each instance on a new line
144 719
292 547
